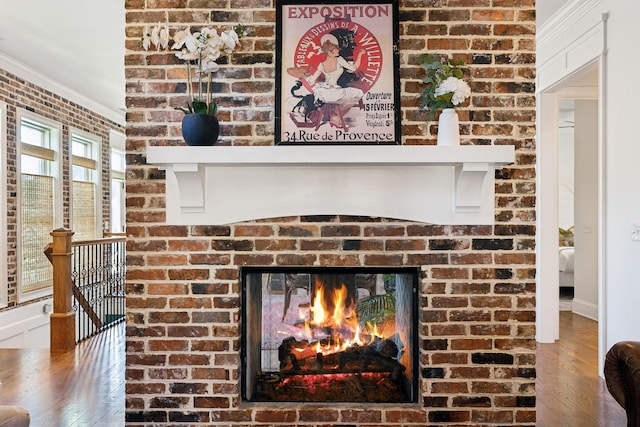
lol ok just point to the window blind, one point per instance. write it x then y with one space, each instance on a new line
37 224
84 207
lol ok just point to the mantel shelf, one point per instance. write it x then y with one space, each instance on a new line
435 184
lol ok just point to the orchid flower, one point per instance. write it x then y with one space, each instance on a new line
203 47
164 36
230 39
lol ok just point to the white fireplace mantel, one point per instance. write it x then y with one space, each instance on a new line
432 184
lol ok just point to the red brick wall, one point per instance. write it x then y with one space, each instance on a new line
16 92
477 291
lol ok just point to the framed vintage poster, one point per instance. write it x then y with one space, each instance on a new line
337 76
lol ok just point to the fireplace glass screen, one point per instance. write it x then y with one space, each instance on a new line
329 335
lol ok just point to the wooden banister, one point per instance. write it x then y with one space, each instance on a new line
63 318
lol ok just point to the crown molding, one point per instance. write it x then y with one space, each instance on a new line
569 14
12 65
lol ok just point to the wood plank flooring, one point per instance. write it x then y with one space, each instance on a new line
569 391
86 387
81 388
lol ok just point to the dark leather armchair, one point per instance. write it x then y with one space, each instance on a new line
14 416
622 374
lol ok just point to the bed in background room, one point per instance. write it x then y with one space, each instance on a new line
566 266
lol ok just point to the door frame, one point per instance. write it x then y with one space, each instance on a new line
563 52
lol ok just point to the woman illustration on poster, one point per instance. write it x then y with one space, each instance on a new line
331 82
329 91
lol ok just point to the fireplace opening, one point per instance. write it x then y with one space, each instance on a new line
333 334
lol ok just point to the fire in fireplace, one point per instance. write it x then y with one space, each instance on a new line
329 334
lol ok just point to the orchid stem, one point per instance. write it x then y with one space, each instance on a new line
209 94
200 77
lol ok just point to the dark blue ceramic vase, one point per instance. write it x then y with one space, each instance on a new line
200 129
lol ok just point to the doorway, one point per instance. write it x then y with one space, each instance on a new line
577 145
569 194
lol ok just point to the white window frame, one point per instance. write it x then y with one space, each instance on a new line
4 285
117 143
56 173
96 156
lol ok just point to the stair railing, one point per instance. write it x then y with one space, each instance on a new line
88 287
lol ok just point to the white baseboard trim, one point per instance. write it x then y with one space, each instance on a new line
585 308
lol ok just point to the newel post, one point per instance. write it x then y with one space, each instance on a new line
63 318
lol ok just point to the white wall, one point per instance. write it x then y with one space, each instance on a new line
566 46
26 326
585 300
570 47
566 154
623 172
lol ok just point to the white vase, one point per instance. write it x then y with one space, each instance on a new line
448 128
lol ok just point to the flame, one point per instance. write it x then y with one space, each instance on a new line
373 331
339 298
317 309
332 319
356 338
330 309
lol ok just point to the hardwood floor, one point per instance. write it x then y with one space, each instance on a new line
81 388
569 391
86 387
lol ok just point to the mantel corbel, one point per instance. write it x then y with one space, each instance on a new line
470 177
191 183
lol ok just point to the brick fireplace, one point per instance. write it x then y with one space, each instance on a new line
475 322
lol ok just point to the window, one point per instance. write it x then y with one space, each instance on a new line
40 201
3 205
85 212
118 166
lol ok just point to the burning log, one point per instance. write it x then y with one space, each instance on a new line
301 357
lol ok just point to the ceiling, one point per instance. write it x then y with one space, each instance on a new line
79 44
546 8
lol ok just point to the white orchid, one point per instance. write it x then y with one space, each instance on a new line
164 36
209 33
185 55
230 39
205 47
190 41
158 35
209 66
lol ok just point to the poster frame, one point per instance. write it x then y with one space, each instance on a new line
368 110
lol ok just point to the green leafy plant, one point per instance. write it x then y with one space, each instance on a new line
375 309
201 49
565 233
444 84
566 236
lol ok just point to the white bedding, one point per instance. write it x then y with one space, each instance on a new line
566 259
566 266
